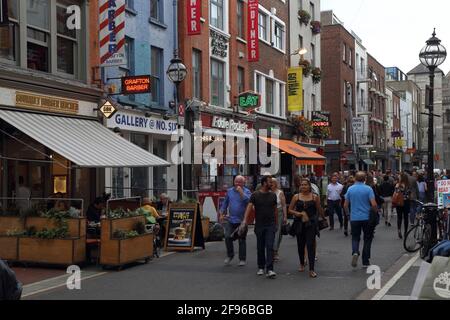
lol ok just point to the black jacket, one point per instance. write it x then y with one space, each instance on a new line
387 189
10 288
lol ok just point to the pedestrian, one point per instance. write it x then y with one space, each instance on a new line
306 209
334 191
281 217
264 203
414 195
359 201
232 214
403 192
387 190
423 189
350 182
10 287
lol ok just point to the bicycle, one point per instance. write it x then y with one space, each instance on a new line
420 236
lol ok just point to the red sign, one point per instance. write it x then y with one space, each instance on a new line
193 16
136 84
252 31
181 110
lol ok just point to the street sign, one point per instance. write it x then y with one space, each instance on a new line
108 110
358 125
181 113
332 142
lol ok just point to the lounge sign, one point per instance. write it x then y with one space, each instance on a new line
136 84
45 103
321 119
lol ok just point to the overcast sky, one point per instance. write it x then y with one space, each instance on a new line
394 31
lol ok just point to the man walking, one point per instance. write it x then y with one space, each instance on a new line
414 195
361 199
387 190
264 203
235 203
334 191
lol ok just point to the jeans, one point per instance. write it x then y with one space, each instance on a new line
403 214
412 211
307 237
387 209
229 229
335 206
265 236
278 235
357 227
422 198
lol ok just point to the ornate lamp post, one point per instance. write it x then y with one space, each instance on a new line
432 56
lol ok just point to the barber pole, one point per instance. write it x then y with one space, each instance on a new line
193 14
112 32
252 31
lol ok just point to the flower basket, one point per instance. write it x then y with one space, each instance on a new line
306 65
321 133
302 126
304 17
315 27
316 75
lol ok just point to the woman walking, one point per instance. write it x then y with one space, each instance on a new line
402 203
423 189
281 217
350 182
306 208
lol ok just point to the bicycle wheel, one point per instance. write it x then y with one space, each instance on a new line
413 239
426 241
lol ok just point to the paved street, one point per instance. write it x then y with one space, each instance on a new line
202 275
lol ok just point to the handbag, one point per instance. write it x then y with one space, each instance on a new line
323 224
285 229
296 228
398 200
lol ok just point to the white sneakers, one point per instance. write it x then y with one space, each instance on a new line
355 260
228 261
271 274
260 272
242 263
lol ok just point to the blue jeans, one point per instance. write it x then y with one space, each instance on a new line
265 236
357 228
229 229
335 206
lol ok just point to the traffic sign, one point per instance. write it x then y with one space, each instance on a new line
108 109
358 125
181 113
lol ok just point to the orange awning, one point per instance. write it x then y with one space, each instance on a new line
304 155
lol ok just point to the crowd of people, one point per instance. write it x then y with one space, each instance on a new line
359 200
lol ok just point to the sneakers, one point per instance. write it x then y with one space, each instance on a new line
366 265
355 260
260 272
242 263
346 233
271 274
228 261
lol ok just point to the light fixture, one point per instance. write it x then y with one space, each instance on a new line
302 51
177 71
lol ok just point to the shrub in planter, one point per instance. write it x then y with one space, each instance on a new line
315 27
304 16
306 65
316 75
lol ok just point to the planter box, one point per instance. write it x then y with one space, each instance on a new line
77 227
54 251
117 252
9 248
11 223
205 228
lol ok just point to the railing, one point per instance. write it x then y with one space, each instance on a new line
22 206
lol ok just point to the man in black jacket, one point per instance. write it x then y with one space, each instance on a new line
10 288
387 190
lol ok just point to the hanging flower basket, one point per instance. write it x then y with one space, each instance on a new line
315 27
306 65
316 75
302 126
321 133
304 17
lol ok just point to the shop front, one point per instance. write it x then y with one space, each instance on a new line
152 133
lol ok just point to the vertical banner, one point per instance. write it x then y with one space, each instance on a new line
193 14
252 31
295 87
112 33
4 20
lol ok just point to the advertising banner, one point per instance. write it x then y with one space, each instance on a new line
252 31
193 15
295 87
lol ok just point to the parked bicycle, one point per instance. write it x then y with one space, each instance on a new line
423 235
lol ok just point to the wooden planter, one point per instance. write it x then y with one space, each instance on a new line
77 227
205 227
9 248
10 223
117 252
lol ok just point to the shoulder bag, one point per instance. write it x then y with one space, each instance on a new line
398 200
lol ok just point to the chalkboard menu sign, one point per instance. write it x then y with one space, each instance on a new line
181 226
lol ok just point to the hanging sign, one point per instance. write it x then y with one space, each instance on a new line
136 84
321 119
193 15
249 100
295 89
112 33
252 31
108 110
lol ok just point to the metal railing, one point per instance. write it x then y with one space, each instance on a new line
10 206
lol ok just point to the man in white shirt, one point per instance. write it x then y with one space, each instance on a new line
334 199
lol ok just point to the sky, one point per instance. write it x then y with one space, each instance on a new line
394 31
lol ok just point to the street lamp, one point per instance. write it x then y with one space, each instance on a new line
432 56
176 73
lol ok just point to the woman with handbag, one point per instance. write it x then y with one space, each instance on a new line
281 218
306 209
401 201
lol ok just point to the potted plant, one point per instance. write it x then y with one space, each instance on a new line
315 27
322 132
302 126
304 16
306 65
316 75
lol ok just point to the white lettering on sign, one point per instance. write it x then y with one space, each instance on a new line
443 187
134 122
223 123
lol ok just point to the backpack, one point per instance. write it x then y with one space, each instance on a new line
10 288
216 232
442 249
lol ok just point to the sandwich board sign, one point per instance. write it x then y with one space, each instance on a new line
443 187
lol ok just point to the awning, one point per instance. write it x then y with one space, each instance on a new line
369 162
87 143
304 155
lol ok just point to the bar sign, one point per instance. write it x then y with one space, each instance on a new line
193 14
252 30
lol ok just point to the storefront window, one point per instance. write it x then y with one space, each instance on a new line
9 35
66 42
160 173
117 183
139 176
217 83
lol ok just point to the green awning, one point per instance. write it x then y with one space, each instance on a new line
369 162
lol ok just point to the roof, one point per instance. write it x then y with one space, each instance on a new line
420 68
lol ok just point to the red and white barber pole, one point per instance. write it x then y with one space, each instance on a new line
252 31
112 32
194 8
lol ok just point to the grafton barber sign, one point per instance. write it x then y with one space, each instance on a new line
136 84
193 14
252 27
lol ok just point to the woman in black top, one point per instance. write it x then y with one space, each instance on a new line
306 209
403 188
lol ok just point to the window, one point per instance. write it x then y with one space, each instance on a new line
282 103
196 74
313 55
300 42
139 176
67 44
344 130
38 35
241 80
269 96
258 83
217 83
447 116
262 21
300 4
350 57
344 57
160 178
240 19
311 11
313 102
278 36
157 75
9 35
156 10
129 55
216 13
129 4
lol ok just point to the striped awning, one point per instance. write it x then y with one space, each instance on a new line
86 143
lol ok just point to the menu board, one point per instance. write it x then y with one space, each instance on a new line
181 226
